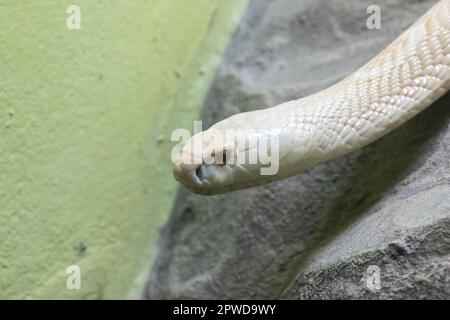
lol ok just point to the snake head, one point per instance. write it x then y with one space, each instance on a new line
221 160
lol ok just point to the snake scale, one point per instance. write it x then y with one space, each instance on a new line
398 83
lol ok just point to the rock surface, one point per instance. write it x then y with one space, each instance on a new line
321 233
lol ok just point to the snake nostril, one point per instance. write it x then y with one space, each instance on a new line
199 172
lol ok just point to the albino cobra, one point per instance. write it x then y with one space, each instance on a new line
397 84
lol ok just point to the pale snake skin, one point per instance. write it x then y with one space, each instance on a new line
398 83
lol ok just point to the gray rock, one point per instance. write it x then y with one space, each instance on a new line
316 234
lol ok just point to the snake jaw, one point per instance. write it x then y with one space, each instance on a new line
203 178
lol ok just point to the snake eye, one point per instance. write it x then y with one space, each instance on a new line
224 156
221 157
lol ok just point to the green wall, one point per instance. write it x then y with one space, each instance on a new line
85 121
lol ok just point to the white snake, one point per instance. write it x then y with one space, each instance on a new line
397 84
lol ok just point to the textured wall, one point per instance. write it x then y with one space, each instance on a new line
314 235
84 120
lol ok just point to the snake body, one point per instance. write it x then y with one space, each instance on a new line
401 81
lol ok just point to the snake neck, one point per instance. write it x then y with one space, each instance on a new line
401 81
